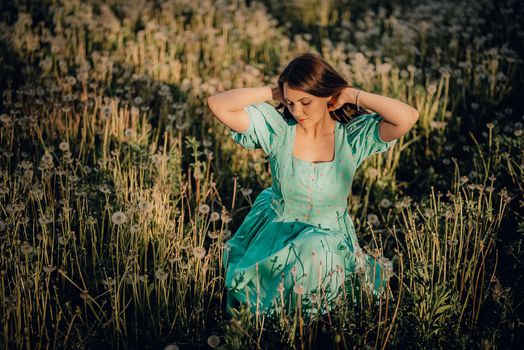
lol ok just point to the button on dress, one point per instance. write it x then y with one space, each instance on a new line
298 237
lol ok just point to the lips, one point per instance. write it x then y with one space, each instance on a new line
301 120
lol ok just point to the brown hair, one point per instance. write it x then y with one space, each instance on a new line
309 72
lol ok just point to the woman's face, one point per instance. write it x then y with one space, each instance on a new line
306 108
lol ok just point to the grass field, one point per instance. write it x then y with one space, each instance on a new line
119 189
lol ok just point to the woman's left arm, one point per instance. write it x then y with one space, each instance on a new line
399 117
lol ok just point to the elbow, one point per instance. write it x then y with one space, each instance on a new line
415 116
210 102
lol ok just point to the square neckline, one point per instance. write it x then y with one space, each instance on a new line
293 135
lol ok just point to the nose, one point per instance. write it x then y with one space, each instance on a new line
295 113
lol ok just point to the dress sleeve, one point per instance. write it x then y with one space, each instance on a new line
364 138
266 124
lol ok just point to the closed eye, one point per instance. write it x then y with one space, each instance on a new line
304 104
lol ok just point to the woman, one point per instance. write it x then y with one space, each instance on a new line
298 242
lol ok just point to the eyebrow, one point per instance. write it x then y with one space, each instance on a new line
300 99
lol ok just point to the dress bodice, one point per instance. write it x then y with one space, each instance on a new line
313 193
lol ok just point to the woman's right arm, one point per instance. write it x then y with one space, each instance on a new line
228 106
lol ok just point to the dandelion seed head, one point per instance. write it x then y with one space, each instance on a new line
171 347
161 275
213 341
385 203
64 146
199 252
299 289
203 208
118 218
109 282
373 219
214 216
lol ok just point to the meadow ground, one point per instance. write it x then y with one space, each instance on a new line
119 189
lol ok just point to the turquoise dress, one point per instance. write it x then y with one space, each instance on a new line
298 240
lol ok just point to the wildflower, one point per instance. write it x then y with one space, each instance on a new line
26 165
106 111
144 206
4 118
428 212
299 289
214 216
213 341
360 260
49 268
129 133
143 278
47 158
109 282
246 191
90 220
294 270
517 132
104 189
26 248
62 240
432 88
213 234
138 100
203 208
225 217
490 125
280 287
227 234
199 252
198 174
313 297
118 218
373 219
64 146
161 274
171 347
452 242
385 203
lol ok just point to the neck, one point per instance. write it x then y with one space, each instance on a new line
322 128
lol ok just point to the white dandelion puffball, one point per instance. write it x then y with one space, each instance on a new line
299 289
160 274
203 208
373 219
385 203
199 252
64 146
214 216
118 218
213 341
280 287
313 297
171 347
225 217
